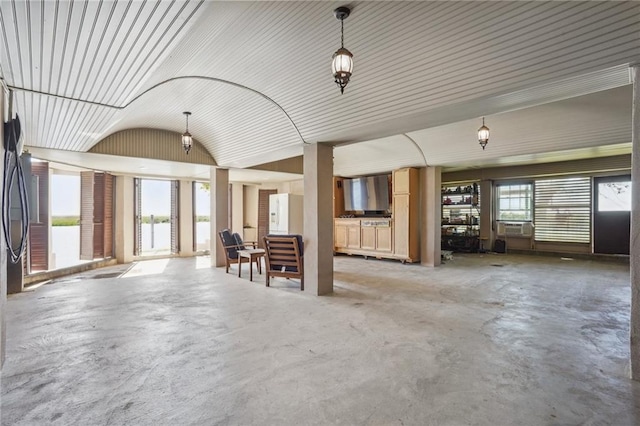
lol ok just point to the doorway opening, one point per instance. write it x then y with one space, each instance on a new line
201 217
612 214
156 221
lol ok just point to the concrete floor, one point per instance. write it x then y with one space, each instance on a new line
482 340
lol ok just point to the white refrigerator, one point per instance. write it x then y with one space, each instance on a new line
285 214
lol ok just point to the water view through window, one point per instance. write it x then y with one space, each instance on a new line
65 220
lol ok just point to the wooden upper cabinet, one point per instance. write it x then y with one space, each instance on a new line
405 214
405 180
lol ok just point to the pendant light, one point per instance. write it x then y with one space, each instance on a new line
342 64
187 139
483 135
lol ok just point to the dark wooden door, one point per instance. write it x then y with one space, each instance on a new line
612 214
263 213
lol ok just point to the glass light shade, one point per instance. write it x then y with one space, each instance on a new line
187 141
342 67
483 135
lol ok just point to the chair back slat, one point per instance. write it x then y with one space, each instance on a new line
283 257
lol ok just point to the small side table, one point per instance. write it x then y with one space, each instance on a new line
253 255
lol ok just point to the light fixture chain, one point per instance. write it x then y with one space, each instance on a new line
342 33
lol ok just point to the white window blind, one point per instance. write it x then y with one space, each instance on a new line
563 210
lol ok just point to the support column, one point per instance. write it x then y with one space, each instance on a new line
486 214
431 216
237 208
3 247
318 219
124 219
634 258
185 218
219 212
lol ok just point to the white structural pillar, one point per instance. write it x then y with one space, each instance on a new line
237 208
3 247
124 219
431 217
318 219
486 214
185 218
219 212
634 259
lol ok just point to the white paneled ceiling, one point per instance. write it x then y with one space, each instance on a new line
145 167
424 69
584 124
379 155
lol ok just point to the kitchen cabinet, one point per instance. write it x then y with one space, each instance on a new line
364 236
405 214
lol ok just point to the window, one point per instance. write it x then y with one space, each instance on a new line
563 210
614 196
515 202
202 215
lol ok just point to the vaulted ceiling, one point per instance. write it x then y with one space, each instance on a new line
551 78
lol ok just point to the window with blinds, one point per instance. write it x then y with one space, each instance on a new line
514 202
563 210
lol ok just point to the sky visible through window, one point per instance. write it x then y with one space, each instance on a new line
203 199
156 197
65 195
614 196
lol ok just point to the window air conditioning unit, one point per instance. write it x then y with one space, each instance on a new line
523 229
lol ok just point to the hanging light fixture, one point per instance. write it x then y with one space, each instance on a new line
483 135
187 139
342 65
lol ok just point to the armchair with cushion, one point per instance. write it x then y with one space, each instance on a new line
231 243
284 257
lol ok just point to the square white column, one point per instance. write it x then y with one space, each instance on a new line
634 257
185 218
318 219
219 212
124 220
431 217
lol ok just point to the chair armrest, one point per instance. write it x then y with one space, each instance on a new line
236 246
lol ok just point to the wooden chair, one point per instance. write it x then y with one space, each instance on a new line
231 243
284 257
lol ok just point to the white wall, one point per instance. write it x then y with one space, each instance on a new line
251 205
237 207
3 249
291 187
124 220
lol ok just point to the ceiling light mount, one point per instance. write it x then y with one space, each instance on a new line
342 64
187 139
342 13
483 135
